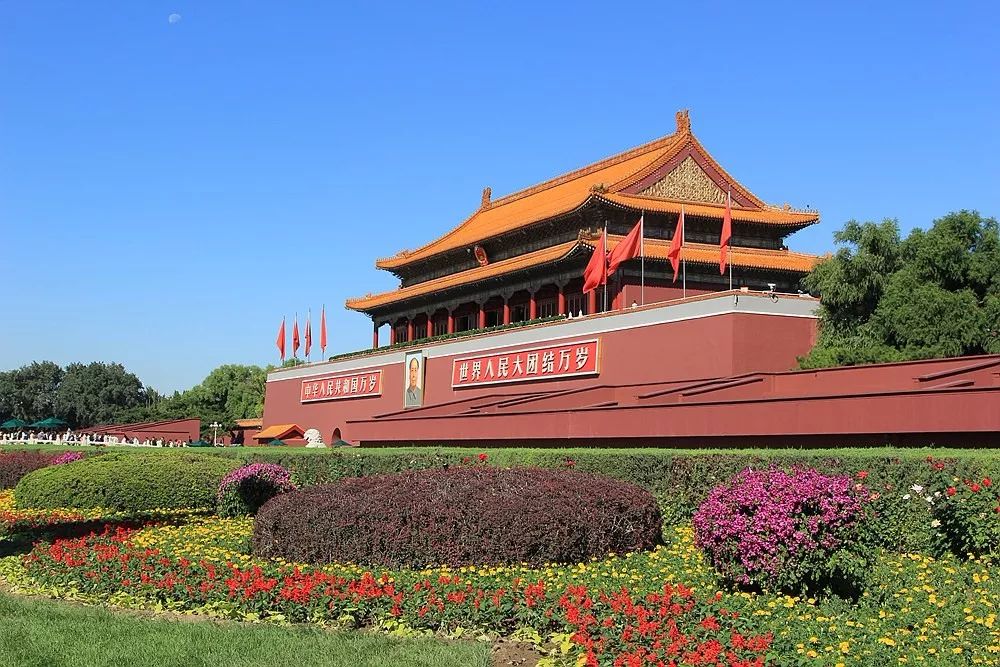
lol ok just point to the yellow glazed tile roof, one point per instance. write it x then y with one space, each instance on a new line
494 269
604 179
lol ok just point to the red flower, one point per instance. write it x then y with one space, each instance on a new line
951 491
975 487
987 482
862 474
483 456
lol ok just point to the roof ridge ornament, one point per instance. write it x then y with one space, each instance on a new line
486 201
683 121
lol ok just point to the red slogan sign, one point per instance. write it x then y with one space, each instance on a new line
540 363
351 385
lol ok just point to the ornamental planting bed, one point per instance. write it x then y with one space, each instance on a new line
675 603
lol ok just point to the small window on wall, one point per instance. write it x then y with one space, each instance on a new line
546 308
518 313
576 304
440 327
463 323
400 330
493 318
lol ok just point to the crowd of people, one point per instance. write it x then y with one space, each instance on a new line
70 437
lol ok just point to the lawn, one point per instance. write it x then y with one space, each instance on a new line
58 634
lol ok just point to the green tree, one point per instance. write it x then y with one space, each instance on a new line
29 392
97 393
934 294
228 393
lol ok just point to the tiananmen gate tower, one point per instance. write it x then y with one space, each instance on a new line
493 341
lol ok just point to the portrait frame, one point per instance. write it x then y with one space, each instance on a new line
414 399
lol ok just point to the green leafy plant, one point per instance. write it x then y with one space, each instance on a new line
127 482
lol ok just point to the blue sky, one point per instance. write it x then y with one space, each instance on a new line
169 190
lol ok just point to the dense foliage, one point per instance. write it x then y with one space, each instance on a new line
243 490
15 465
463 515
777 530
935 293
85 395
129 482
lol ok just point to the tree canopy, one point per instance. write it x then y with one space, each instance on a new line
935 293
86 395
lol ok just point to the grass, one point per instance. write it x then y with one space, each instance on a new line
40 633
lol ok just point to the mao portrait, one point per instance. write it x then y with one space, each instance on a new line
413 392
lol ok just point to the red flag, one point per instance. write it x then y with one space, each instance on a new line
596 273
322 330
309 333
676 243
727 232
295 337
281 339
629 248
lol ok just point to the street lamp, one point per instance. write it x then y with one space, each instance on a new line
215 433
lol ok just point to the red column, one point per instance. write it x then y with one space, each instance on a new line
409 328
392 333
532 307
374 335
482 316
592 302
562 301
506 311
430 325
451 321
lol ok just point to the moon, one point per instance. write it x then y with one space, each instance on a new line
174 18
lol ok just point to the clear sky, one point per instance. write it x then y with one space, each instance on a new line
175 177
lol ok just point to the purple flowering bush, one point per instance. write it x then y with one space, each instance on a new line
68 457
789 531
245 489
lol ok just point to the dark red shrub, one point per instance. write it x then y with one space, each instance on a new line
15 465
459 516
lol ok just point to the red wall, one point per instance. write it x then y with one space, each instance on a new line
707 347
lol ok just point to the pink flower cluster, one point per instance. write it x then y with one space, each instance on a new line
245 489
68 457
767 526
277 475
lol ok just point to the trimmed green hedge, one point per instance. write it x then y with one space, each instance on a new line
127 482
680 479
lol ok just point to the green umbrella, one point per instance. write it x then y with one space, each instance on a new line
276 443
51 422
13 423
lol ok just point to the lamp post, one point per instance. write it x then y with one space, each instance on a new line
215 433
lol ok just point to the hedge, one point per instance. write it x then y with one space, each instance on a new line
466 515
16 464
126 482
680 478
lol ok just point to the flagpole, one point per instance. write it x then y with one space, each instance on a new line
684 262
642 259
729 241
605 265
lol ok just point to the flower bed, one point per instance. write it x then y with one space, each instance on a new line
14 520
917 609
